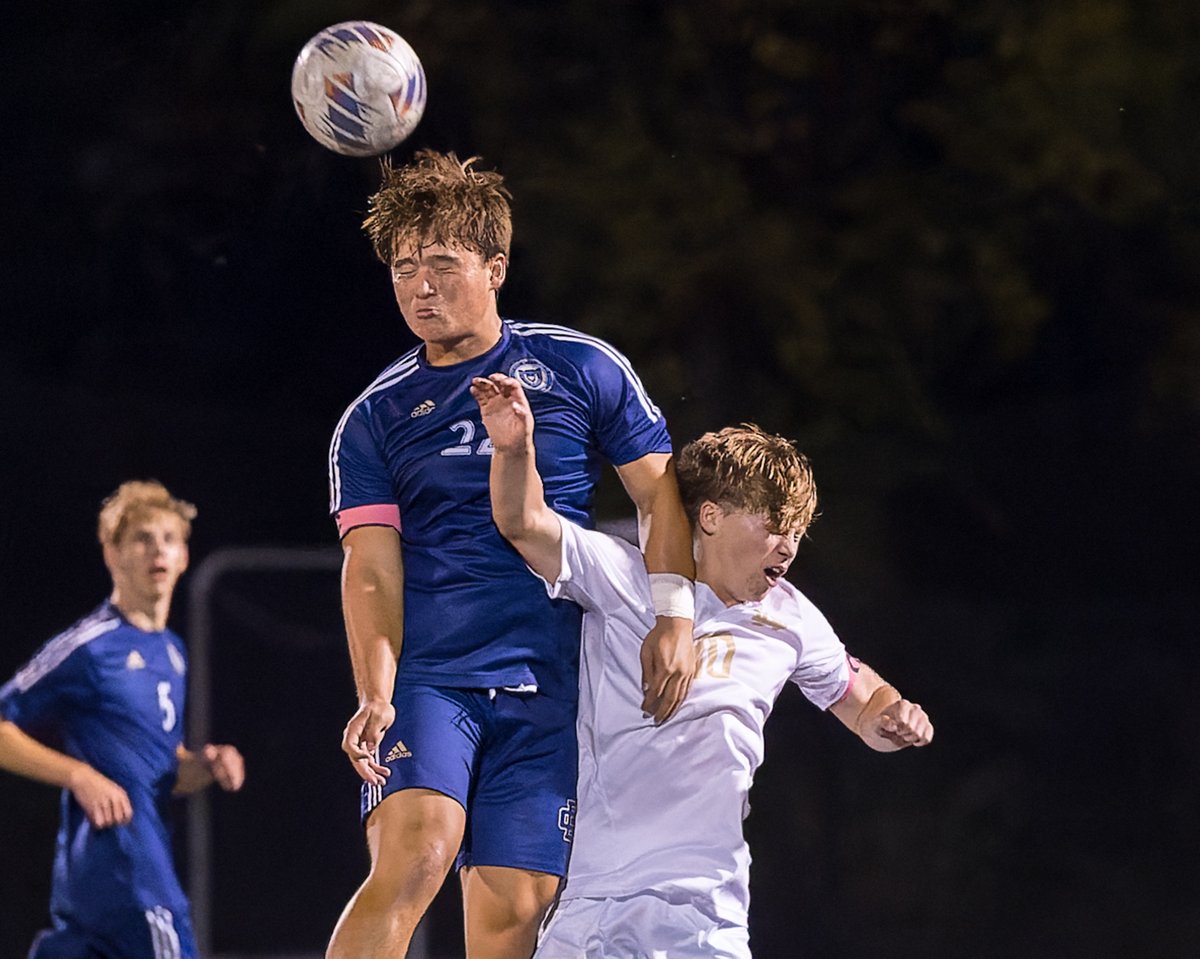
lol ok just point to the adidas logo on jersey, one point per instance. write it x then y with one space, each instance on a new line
134 660
422 408
761 620
399 751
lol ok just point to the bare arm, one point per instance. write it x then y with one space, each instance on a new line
668 655
102 800
221 764
519 505
373 608
876 712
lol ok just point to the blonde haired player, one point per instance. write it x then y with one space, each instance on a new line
660 868
110 689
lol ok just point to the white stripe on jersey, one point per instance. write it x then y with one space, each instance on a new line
400 370
162 933
62 646
568 335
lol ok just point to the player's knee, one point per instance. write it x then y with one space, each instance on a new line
516 902
413 840
411 875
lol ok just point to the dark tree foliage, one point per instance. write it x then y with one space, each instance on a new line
951 247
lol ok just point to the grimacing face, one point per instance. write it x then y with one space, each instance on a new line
741 558
150 556
447 295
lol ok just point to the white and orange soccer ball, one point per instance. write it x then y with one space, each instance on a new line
359 88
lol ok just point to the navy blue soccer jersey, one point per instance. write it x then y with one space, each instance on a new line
111 695
412 452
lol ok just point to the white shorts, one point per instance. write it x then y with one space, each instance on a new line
639 927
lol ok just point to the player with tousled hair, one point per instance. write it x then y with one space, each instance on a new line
466 672
660 867
110 690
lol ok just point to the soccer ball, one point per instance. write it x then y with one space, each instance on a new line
359 88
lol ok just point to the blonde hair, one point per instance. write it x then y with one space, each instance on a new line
134 500
439 199
745 468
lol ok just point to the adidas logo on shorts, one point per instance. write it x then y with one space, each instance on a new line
399 751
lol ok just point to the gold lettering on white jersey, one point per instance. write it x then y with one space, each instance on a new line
714 654
762 620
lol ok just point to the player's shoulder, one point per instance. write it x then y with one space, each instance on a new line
555 341
605 544
79 639
391 378
786 604
602 555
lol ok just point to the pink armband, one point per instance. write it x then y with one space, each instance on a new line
385 514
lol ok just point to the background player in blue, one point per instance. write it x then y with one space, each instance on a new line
109 692
466 672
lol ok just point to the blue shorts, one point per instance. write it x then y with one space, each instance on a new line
509 759
154 933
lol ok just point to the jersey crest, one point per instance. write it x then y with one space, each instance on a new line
533 374
176 658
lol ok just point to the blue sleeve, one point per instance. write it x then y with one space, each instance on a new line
358 475
627 424
38 698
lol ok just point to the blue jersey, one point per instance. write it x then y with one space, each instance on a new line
111 695
412 452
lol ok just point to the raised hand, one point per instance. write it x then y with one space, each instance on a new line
904 724
505 410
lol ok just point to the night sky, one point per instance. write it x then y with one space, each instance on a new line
952 249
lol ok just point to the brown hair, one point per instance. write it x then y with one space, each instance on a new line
135 499
439 199
746 468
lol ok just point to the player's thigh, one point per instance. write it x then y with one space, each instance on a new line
414 832
522 813
573 931
157 932
432 744
498 897
64 943
639 927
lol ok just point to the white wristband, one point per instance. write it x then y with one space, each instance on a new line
673 595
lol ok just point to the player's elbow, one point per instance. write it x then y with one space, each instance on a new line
514 524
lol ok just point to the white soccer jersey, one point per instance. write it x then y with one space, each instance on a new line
661 808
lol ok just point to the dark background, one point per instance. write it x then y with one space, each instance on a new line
952 248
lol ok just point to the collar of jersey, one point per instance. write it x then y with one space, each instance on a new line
482 358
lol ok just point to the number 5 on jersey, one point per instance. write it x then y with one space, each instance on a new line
167 705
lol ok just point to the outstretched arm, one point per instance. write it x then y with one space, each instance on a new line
373 608
102 800
221 764
519 505
876 712
668 654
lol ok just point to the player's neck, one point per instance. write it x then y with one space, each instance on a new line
465 347
146 613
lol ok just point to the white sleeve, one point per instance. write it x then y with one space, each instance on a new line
823 673
599 571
